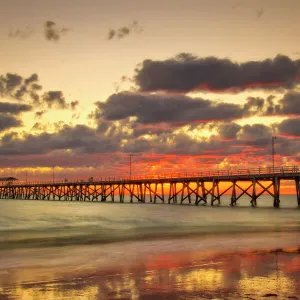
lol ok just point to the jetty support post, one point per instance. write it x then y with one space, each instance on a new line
233 195
215 194
254 194
276 186
297 181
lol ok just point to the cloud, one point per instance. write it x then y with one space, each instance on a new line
111 34
52 32
10 82
254 104
176 109
290 127
39 127
290 104
55 99
186 73
67 144
79 138
8 121
74 104
31 79
260 13
16 87
124 31
39 114
137 146
165 108
9 113
21 33
13 108
228 131
256 132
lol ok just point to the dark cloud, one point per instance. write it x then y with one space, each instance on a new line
13 108
124 31
39 114
79 138
137 146
228 131
39 127
75 116
52 32
36 87
16 87
186 73
271 107
55 99
287 147
111 34
256 132
165 108
11 81
254 104
8 121
74 104
150 129
289 104
31 79
290 127
233 141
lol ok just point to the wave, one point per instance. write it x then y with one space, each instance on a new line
46 224
42 238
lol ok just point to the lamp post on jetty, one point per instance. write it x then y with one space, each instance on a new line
53 173
130 155
273 151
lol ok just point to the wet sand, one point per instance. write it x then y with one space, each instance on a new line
88 272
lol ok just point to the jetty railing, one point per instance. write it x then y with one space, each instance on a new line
178 175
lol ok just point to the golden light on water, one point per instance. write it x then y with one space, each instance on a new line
265 285
53 291
169 281
200 280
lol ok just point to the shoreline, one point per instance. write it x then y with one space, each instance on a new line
127 252
256 274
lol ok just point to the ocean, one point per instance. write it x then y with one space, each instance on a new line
85 250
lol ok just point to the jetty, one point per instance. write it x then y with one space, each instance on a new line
192 188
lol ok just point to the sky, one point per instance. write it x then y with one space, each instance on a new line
183 86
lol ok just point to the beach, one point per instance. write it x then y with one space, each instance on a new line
60 250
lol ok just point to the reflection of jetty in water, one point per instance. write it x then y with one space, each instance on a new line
190 188
176 276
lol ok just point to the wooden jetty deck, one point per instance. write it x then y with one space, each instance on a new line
194 188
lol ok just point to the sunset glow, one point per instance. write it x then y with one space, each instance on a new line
79 105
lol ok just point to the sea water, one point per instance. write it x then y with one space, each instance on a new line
31 223
59 241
